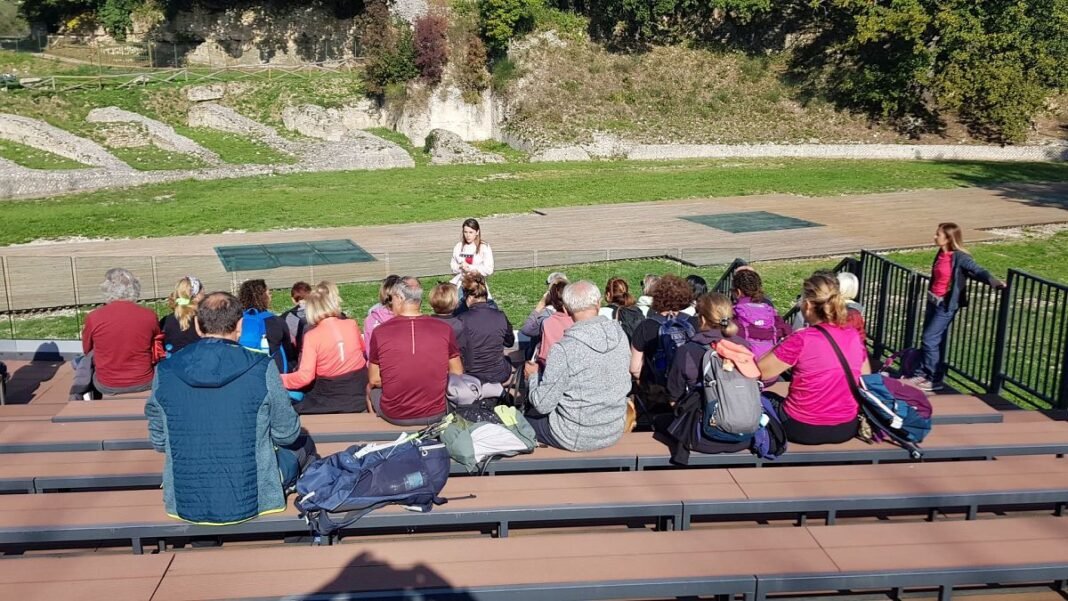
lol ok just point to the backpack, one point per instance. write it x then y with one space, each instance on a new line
732 408
408 471
911 359
296 323
254 330
757 324
894 415
474 445
674 332
769 441
628 318
684 434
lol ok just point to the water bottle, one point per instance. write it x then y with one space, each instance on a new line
265 346
410 481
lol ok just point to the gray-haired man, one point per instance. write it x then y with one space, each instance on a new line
581 398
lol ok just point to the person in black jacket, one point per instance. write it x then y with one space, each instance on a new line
177 327
945 296
486 333
715 316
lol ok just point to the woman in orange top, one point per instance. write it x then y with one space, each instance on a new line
333 371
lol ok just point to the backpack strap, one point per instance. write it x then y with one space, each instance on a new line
845 365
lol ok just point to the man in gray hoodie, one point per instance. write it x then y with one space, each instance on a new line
581 399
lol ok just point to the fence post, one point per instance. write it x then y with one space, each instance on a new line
1062 398
7 295
77 297
1001 329
879 343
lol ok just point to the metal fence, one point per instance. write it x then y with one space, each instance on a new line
106 52
47 296
1012 341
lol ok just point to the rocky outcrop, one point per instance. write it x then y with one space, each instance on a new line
205 93
447 148
445 108
560 154
41 135
159 134
221 118
356 150
314 121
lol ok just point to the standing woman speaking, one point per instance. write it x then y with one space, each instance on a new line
945 296
471 254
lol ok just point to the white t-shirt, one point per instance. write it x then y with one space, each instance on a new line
480 260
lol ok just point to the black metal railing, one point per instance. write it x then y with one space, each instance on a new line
725 283
1011 342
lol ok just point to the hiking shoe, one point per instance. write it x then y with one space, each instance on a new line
927 385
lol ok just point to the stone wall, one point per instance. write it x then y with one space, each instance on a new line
41 135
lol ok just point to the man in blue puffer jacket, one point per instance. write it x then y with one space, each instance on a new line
220 413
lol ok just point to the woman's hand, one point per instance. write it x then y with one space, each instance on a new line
530 368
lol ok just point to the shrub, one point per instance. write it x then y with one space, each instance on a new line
389 48
472 76
501 20
431 46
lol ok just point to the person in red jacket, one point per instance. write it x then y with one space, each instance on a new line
119 337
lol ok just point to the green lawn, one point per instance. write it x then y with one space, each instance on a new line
150 158
27 156
448 192
235 149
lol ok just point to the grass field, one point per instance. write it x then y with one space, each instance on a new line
447 192
34 158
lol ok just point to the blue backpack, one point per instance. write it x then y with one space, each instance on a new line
254 330
769 441
409 472
674 332
891 413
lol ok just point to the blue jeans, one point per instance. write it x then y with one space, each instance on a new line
933 344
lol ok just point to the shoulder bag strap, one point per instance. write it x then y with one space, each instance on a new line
845 365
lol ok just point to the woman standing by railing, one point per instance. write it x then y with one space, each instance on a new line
945 296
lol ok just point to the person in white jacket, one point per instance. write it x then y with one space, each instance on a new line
471 254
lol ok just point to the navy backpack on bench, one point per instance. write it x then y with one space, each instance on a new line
410 471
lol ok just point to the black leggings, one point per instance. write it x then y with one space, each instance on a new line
803 433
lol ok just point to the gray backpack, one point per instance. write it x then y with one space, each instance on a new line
732 408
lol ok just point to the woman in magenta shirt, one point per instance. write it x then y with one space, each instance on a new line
819 407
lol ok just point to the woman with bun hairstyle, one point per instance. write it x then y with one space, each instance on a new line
819 407
945 296
715 322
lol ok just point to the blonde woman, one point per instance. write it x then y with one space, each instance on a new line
332 370
945 296
715 319
178 328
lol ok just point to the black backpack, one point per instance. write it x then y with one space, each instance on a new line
628 318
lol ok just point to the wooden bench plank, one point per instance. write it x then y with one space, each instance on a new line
25 413
86 577
490 566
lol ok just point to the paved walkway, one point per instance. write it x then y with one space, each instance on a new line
42 275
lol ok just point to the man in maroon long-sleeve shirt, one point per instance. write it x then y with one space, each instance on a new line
120 336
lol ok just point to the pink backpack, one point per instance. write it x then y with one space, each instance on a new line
757 324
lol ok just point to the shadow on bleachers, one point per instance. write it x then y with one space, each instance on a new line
28 379
366 574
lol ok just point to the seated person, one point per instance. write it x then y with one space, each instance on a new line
444 299
117 338
296 320
579 403
819 407
411 358
645 300
177 327
487 332
699 287
758 321
650 362
380 312
553 326
262 330
332 366
220 414
715 318
531 327
850 287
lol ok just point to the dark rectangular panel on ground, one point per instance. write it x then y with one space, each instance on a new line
753 221
291 254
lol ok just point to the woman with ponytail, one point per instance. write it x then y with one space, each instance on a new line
715 322
178 328
945 296
819 407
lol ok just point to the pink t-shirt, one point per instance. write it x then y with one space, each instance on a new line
552 330
942 274
819 392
